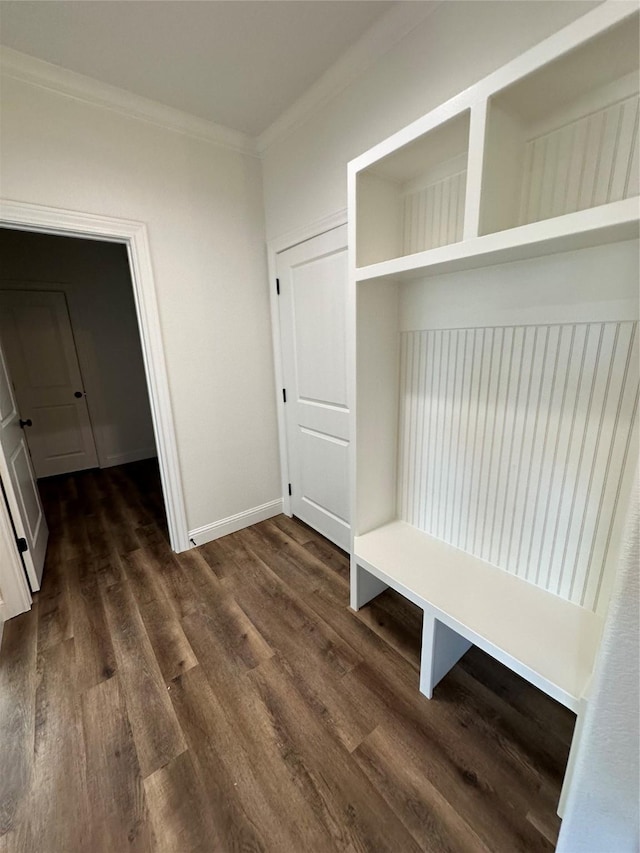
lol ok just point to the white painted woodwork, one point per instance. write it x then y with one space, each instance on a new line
375 420
549 641
19 483
610 223
442 648
313 288
239 521
514 442
41 353
363 585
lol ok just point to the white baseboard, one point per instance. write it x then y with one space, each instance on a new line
235 522
129 456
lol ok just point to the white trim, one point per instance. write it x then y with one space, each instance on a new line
274 247
129 456
383 35
70 84
15 596
51 220
246 518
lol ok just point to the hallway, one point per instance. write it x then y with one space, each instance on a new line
227 699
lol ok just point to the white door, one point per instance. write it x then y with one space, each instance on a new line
313 291
41 354
19 484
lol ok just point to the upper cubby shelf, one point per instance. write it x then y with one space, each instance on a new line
564 138
413 200
540 157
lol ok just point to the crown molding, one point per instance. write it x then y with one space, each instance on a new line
28 69
384 34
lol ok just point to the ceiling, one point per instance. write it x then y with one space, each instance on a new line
238 63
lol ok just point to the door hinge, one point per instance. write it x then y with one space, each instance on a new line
284 395
289 489
278 286
21 542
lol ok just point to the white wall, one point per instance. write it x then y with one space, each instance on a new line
96 281
203 208
458 44
603 808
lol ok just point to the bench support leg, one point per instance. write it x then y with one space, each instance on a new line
442 648
364 586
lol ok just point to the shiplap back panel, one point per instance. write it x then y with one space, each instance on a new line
585 163
513 444
433 216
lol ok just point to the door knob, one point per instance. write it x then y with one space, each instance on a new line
23 424
78 394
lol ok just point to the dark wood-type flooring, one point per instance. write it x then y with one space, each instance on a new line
227 699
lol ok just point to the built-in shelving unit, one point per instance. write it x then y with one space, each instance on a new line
494 298
541 156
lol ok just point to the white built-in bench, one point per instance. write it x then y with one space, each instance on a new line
548 641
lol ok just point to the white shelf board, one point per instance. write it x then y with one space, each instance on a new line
549 641
608 223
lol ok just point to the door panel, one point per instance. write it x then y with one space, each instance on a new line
19 483
319 313
313 290
36 332
324 472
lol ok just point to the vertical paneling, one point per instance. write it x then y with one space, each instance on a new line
433 216
513 444
585 163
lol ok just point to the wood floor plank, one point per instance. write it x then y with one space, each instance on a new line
176 586
156 732
121 529
557 721
101 541
211 741
294 529
216 557
17 715
225 641
55 816
398 622
168 640
95 657
119 814
406 783
331 556
55 623
179 809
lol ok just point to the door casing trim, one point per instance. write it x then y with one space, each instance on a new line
70 223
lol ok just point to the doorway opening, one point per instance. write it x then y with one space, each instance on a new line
78 318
